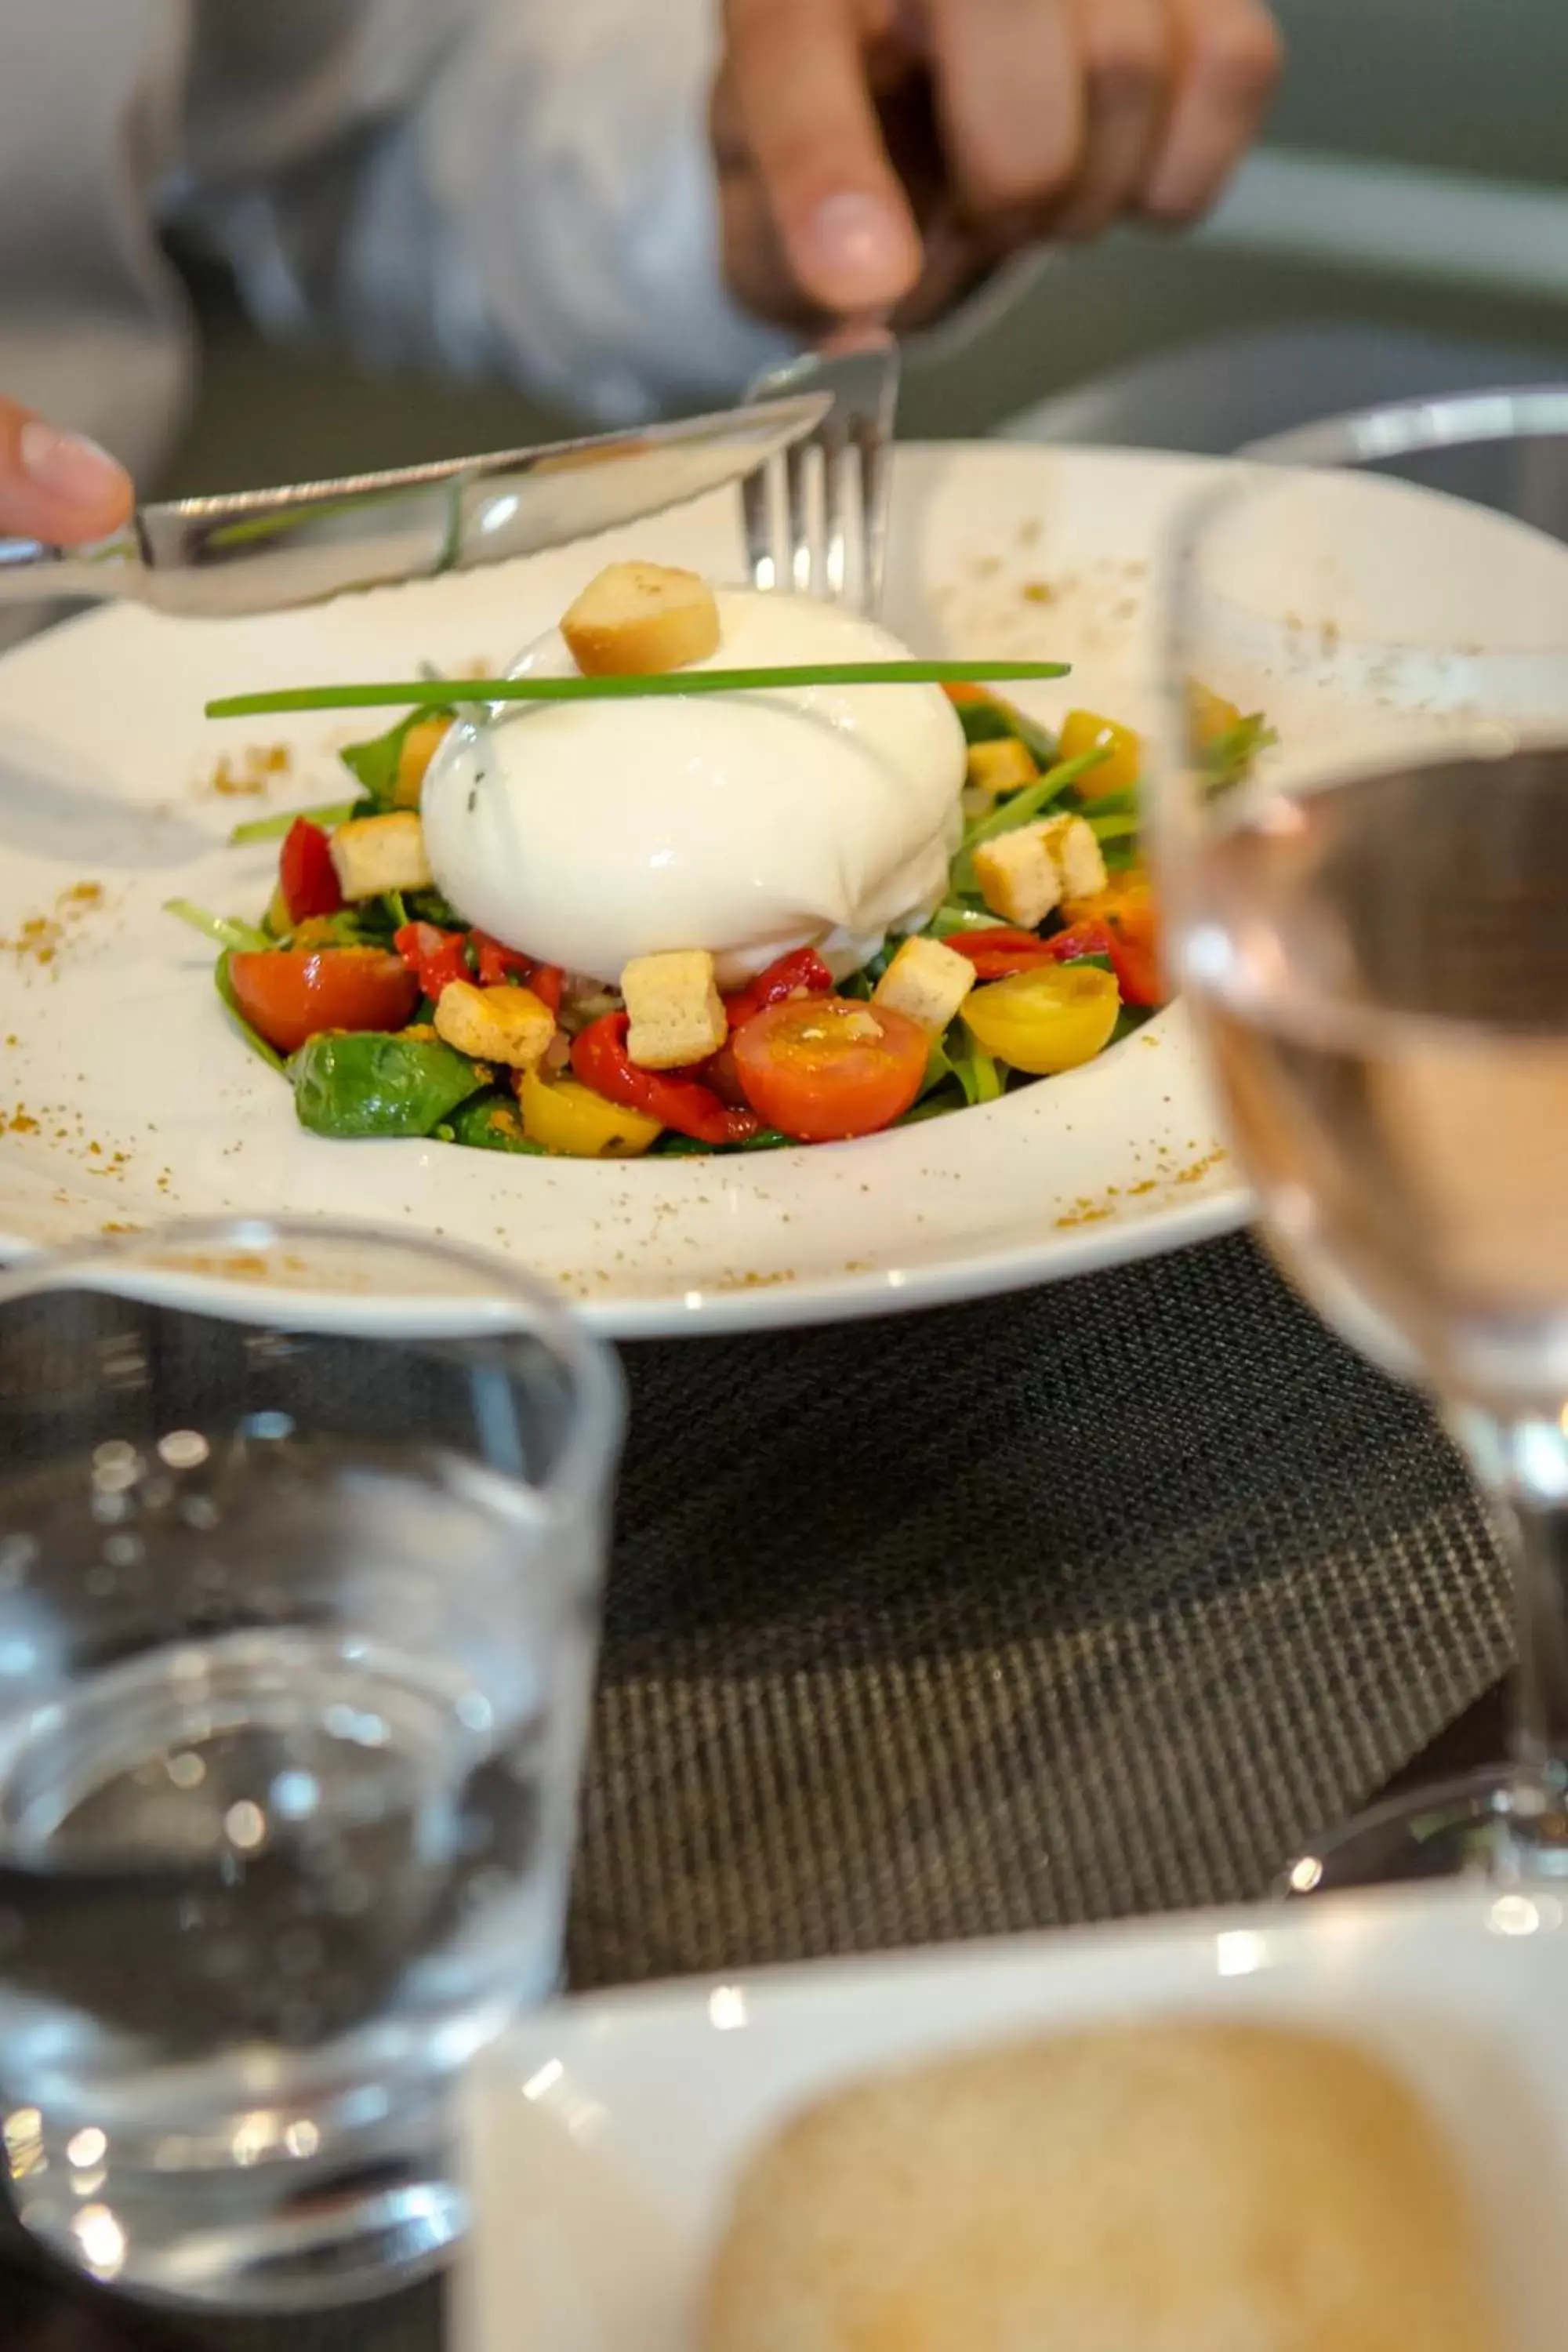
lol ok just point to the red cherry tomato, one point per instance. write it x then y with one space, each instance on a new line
287 997
821 1069
306 874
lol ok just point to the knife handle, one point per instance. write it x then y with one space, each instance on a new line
32 570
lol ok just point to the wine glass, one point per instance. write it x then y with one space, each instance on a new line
1362 836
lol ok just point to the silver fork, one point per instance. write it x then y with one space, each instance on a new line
816 515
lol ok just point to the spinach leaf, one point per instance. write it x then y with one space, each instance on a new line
374 762
368 1083
490 1123
1130 1018
995 722
671 1146
429 907
984 722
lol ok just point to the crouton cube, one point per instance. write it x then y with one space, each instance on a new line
1004 766
1019 878
927 982
1075 853
635 620
1025 874
675 1010
495 1024
372 854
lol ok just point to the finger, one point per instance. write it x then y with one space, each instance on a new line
956 261
807 120
55 485
1009 101
1125 56
1228 56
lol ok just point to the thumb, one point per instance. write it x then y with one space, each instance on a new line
55 485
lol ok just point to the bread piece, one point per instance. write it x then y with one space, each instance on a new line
1017 877
372 854
495 1024
927 982
1074 851
635 620
1004 765
1025 874
675 1013
1172 2187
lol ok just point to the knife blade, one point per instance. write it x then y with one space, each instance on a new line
267 550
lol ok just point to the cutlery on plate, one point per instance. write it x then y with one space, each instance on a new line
265 550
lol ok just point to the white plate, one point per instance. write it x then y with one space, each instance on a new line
125 1097
602 2135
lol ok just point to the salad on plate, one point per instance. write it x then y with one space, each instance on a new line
712 871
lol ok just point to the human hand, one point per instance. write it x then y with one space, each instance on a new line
56 486
874 162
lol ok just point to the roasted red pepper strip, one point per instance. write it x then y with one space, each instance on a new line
496 964
306 874
998 954
1086 938
547 981
1136 966
802 973
599 1058
433 956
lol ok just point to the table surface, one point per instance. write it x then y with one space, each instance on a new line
1097 1601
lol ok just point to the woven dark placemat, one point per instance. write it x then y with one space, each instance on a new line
1099 1599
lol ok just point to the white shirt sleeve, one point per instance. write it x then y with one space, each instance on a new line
495 186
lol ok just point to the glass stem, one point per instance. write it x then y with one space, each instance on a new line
1522 1462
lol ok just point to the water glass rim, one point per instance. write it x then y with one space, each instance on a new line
512 1301
1403 428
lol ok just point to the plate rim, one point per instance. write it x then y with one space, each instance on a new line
959 1274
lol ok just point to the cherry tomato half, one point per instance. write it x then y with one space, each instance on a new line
287 997
821 1069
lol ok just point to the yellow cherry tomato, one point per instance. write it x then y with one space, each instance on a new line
1209 715
1086 730
1046 1020
419 750
564 1116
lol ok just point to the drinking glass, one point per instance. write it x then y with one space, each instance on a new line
1369 917
302 1530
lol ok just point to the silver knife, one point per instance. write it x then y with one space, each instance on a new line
263 550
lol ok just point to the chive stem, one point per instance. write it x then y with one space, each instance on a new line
434 693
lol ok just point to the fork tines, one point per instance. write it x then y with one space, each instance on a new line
815 519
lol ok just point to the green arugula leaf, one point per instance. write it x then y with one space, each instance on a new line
224 930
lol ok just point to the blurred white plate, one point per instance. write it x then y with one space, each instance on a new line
602 2135
125 1097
